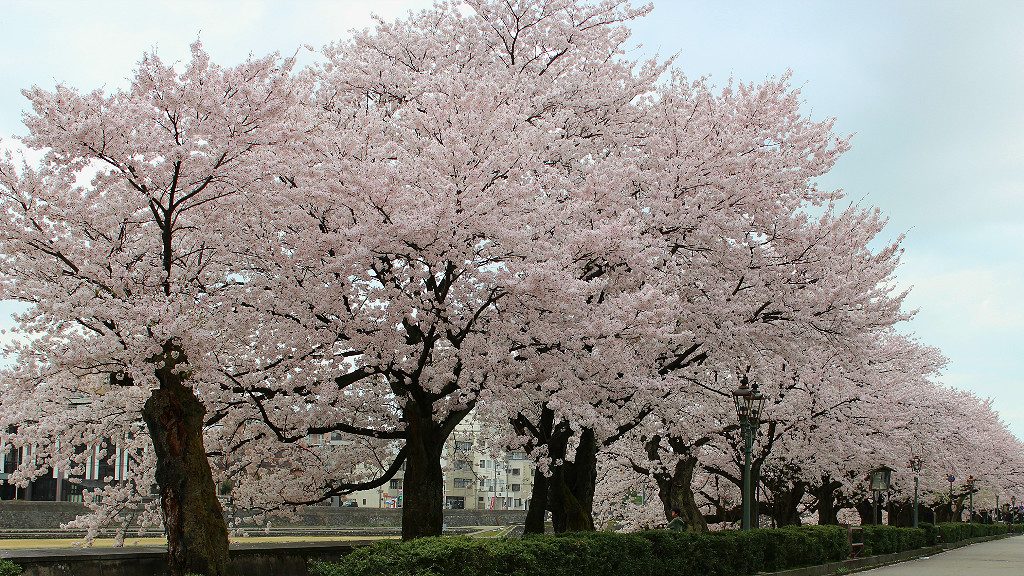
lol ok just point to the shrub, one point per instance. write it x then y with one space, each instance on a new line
729 553
890 539
8 568
956 531
931 533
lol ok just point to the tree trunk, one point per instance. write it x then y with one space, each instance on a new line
865 508
571 487
828 511
423 493
538 504
197 536
786 508
676 492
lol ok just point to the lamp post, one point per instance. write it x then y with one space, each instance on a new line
880 480
749 403
970 495
915 465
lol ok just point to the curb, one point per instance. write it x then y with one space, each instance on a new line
869 562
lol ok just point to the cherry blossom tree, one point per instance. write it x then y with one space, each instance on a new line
124 244
454 157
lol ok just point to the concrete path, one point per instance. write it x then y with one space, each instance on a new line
997 558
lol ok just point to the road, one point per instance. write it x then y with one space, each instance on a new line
998 558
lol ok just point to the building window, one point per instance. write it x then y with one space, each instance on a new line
483 463
364 501
463 482
481 482
463 445
463 465
519 455
517 487
515 472
519 502
396 484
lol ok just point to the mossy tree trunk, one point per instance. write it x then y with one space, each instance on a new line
828 510
572 484
786 506
538 504
423 490
675 490
197 536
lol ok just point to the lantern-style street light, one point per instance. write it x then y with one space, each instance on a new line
881 478
749 404
915 465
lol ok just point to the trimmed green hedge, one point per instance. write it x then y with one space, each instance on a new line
890 539
652 553
8 568
656 552
957 531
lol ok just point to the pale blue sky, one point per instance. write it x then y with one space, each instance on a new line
932 90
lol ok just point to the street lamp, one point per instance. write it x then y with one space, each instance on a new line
749 404
970 493
915 465
880 480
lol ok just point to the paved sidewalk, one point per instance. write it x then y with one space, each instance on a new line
997 558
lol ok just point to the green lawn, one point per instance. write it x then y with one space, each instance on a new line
22 543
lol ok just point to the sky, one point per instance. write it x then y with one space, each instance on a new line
931 91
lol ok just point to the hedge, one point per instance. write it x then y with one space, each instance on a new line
651 553
8 568
657 552
957 531
890 539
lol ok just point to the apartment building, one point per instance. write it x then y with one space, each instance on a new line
475 477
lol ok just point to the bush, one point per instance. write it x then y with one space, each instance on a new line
655 552
890 539
729 553
931 533
956 531
8 568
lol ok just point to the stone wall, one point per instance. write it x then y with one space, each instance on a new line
28 515
25 515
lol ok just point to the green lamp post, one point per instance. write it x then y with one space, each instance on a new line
749 404
915 465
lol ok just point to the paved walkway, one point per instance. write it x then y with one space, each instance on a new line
997 558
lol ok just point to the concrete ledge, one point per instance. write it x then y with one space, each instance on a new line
869 562
264 559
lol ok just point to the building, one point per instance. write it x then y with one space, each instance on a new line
474 477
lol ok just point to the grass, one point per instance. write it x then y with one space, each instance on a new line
27 543
499 532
